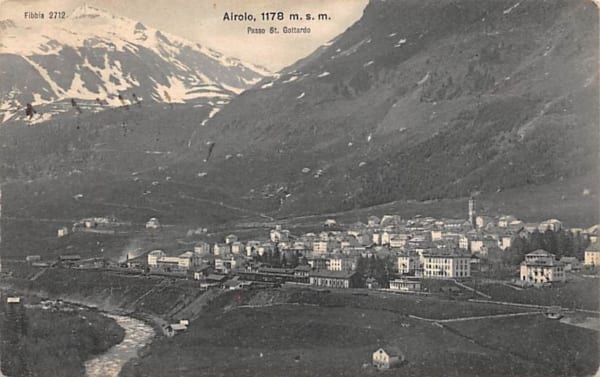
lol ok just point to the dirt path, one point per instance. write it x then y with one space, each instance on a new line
471 289
473 318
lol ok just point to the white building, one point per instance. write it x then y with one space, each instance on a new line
330 222
321 247
152 223
386 237
376 238
550 224
154 256
408 263
341 264
444 265
504 242
202 248
225 265
188 260
231 239
63 231
387 358
183 262
399 240
541 267
592 255
463 242
221 248
404 285
237 247
504 221
252 248
483 221
279 235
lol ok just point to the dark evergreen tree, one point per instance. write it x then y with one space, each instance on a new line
294 259
362 265
550 243
536 240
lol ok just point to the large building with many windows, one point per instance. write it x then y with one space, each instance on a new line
446 265
541 267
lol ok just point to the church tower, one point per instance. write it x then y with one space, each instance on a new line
472 212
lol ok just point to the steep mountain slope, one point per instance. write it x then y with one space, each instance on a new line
418 100
421 100
95 57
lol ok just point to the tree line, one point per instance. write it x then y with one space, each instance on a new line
561 243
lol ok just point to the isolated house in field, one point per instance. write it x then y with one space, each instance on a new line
152 223
330 222
62 231
174 329
388 357
33 258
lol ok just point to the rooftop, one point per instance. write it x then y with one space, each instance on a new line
332 274
540 253
593 248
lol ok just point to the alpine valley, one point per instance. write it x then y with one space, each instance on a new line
418 105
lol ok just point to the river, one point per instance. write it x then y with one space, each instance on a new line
109 364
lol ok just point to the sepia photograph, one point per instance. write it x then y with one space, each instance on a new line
274 188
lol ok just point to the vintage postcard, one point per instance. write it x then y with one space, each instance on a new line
285 188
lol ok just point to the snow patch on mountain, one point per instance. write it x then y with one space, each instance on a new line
94 55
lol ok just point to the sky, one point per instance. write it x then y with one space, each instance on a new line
202 21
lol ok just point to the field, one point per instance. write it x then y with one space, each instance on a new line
557 349
320 334
307 332
578 292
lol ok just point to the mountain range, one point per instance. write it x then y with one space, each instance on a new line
102 60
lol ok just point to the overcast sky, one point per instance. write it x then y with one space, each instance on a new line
202 21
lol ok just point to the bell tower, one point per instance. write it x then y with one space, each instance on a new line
472 212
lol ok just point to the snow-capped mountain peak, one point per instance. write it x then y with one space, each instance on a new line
87 11
98 57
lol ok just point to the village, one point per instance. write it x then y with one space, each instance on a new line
417 258
389 253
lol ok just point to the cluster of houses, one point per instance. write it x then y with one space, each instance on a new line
422 247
